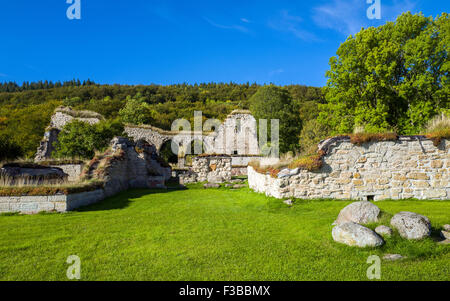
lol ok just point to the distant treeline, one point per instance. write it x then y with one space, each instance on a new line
39 85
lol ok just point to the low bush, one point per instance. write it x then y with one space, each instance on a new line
309 162
437 136
361 138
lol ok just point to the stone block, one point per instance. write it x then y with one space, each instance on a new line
418 176
435 193
358 182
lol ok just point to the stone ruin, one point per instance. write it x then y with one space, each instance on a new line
235 141
14 174
208 168
236 138
410 167
61 117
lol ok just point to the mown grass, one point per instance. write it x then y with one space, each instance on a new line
209 234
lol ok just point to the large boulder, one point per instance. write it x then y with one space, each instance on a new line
411 225
354 234
358 212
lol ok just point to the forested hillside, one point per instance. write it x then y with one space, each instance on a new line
26 111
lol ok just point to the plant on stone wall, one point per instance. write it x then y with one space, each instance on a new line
438 128
80 139
361 138
309 162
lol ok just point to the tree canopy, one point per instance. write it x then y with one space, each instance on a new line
80 140
393 77
272 102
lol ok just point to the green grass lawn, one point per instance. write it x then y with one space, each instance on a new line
199 234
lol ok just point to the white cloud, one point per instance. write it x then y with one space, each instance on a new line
275 72
291 24
240 28
245 20
349 16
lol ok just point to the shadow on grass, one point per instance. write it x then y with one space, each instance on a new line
123 199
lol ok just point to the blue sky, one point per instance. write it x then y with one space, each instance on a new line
175 41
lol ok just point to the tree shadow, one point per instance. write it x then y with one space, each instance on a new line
123 199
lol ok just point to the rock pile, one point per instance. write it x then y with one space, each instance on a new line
349 227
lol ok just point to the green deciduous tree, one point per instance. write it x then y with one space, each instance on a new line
9 150
80 139
272 102
136 111
391 77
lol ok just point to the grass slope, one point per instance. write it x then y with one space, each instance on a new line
201 234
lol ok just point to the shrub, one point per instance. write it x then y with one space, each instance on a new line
309 162
438 123
80 139
8 148
437 136
312 133
362 138
136 112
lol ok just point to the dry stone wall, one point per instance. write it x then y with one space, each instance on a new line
411 167
59 203
73 171
215 169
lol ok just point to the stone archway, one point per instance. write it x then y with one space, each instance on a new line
166 153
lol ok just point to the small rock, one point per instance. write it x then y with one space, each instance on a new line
288 202
383 230
392 257
236 181
284 173
294 171
354 234
446 227
239 186
211 185
215 179
358 212
229 185
411 225
444 242
445 234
